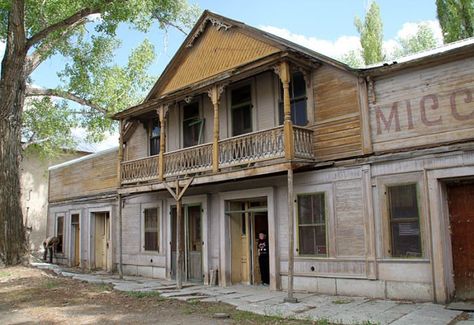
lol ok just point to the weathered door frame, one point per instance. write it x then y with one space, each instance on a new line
72 238
205 219
438 204
91 231
224 226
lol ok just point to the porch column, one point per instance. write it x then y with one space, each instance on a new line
287 124
179 239
119 198
162 112
215 94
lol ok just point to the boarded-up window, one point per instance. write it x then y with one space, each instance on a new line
60 234
298 99
312 224
404 221
155 137
151 229
241 108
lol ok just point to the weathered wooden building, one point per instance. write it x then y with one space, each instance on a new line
362 178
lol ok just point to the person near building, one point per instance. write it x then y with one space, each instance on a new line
262 249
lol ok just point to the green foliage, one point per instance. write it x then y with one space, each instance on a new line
371 35
92 85
456 18
144 294
424 39
353 59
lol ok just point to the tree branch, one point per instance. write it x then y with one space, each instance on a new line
37 57
35 91
30 142
71 20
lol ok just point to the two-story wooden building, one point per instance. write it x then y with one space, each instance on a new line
361 178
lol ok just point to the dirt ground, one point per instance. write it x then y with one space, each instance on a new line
29 295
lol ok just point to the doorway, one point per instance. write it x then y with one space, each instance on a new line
101 240
75 238
461 219
192 266
247 219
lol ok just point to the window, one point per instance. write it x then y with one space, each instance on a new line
192 125
312 224
155 137
60 234
404 220
241 110
151 229
298 99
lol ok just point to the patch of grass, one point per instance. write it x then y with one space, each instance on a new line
144 294
341 301
51 284
4 274
103 287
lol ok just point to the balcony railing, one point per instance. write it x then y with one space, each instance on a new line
241 150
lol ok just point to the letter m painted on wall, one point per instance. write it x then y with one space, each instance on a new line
387 123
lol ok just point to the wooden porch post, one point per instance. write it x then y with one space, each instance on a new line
291 253
215 94
162 111
287 124
119 198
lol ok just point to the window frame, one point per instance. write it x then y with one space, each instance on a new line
63 234
383 183
182 104
159 207
253 107
326 224
280 108
150 132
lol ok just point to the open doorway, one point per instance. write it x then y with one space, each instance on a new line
461 219
101 240
247 218
192 266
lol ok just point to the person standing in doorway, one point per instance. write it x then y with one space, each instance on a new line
262 249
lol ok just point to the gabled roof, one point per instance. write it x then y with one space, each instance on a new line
272 42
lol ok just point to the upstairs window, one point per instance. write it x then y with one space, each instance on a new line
192 125
241 110
60 234
312 224
404 221
298 100
155 137
151 229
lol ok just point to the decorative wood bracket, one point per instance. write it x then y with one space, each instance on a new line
215 93
215 22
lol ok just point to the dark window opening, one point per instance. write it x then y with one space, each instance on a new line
404 221
60 234
152 229
312 225
241 108
192 125
155 137
298 99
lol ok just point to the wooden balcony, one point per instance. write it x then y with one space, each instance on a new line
240 151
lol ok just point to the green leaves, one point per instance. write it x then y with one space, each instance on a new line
456 18
93 84
424 39
371 34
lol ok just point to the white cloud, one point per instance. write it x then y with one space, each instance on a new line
2 49
346 43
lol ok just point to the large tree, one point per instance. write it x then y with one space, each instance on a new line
371 34
456 18
83 33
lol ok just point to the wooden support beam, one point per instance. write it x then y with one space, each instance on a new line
284 73
120 155
120 266
177 194
162 113
215 94
291 238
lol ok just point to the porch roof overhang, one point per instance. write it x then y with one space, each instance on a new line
229 76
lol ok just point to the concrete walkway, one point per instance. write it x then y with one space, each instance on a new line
260 300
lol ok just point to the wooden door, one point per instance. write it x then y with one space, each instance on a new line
99 240
173 241
461 217
77 232
239 248
107 244
193 243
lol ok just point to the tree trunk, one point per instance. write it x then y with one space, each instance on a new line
12 94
